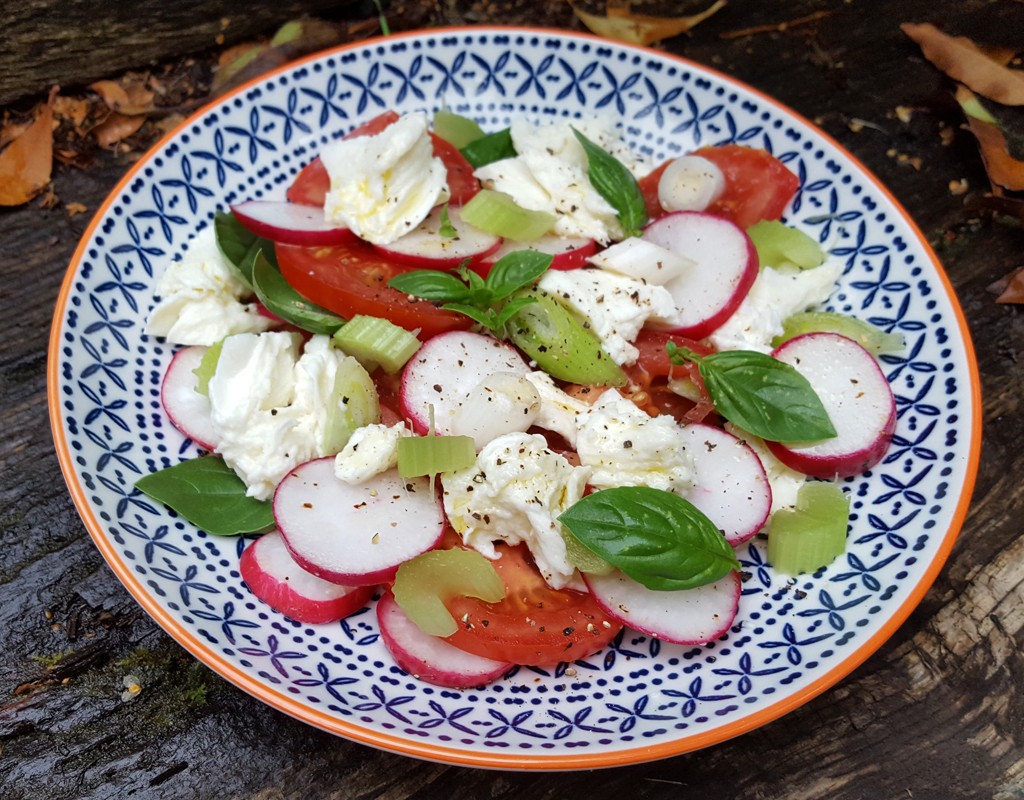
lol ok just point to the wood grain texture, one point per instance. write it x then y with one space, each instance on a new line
937 712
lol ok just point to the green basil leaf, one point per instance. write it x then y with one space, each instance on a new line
238 244
281 299
615 184
484 316
655 537
764 396
208 493
431 284
515 271
447 230
490 148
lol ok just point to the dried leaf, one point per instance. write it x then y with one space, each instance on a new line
129 95
1002 168
624 26
117 127
963 61
1011 287
26 163
73 109
74 209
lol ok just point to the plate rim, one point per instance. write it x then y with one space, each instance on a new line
395 742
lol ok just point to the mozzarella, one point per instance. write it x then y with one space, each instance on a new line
370 450
385 185
202 298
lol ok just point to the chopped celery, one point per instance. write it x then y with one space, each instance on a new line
553 337
207 367
871 338
355 404
429 455
424 583
490 148
374 341
456 129
810 536
778 245
498 214
582 557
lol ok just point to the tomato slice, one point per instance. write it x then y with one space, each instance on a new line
650 373
757 185
312 183
352 278
534 625
649 189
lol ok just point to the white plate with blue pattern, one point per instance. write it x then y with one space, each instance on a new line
640 699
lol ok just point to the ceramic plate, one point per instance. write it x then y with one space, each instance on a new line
639 699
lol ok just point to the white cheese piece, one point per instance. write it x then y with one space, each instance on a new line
624 446
269 404
615 306
515 493
775 295
202 298
549 173
383 186
370 450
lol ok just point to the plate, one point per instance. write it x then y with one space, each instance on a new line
640 699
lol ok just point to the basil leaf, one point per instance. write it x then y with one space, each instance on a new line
490 148
515 271
447 230
615 184
208 493
238 244
655 537
431 284
282 300
484 316
764 396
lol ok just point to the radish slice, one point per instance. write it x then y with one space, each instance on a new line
188 410
730 483
446 370
691 616
290 223
566 252
430 658
858 400
725 268
273 576
425 247
355 534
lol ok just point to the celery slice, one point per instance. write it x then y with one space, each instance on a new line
207 367
813 534
354 404
582 557
778 245
423 584
429 455
375 341
498 214
871 338
456 129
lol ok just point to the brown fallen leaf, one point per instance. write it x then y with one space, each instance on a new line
1010 288
1002 168
117 127
964 61
129 95
74 209
621 24
73 109
27 161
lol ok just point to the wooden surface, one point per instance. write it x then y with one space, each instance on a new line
937 712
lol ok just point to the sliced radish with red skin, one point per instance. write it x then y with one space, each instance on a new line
730 484
275 578
358 534
690 616
565 252
290 223
857 397
430 658
424 247
446 369
188 410
725 266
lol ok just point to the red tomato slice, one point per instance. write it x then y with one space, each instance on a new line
312 183
534 625
653 367
352 278
757 185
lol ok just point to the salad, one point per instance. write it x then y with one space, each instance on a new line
526 385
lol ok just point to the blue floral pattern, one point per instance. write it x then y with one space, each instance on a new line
639 692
